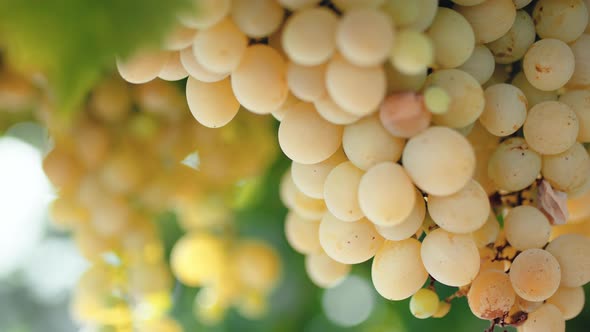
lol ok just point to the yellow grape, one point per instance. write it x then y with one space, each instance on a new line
386 194
462 212
535 274
491 295
397 270
257 265
546 318
424 303
367 143
324 271
569 300
302 234
305 137
452 259
349 242
571 250
310 179
526 227
204 248
341 192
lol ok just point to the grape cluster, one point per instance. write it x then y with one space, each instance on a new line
119 163
445 142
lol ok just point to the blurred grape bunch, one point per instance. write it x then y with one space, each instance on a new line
118 165
73 42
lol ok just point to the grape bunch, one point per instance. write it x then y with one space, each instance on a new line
119 163
445 141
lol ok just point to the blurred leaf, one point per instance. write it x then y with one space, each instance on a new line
74 41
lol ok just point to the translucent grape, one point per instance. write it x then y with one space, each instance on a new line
578 208
579 101
259 82
452 259
409 226
302 234
287 189
404 114
307 138
365 36
427 10
207 250
212 104
526 227
340 192
546 318
306 82
412 52
467 97
551 119
462 212
308 207
513 166
366 143
179 38
570 301
257 265
142 67
491 295
402 12
173 70
258 18
480 64
568 170
310 178
439 160
563 20
533 95
309 36
488 233
581 75
424 303
280 112
571 251
513 45
358 90
453 38
397 269
443 309
535 274
324 271
437 100
505 110
330 111
219 49
196 70
349 242
386 194
490 20
548 64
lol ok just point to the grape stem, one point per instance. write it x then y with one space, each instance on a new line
461 292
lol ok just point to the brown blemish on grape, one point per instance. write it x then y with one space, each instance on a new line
541 69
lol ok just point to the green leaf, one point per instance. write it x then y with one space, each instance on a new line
74 41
